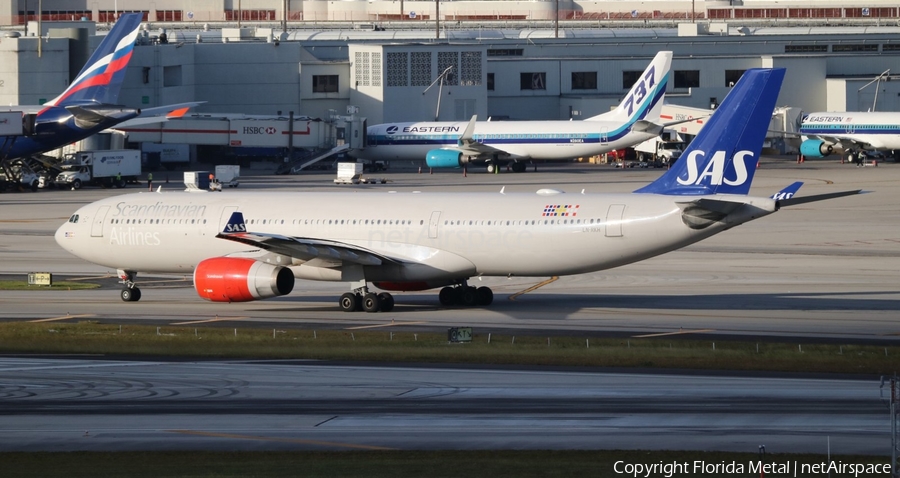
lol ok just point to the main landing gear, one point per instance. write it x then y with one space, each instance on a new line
130 292
466 295
362 299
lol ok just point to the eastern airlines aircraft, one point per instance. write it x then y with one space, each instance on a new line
453 145
826 133
253 245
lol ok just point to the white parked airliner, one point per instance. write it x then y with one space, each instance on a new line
456 144
837 132
252 245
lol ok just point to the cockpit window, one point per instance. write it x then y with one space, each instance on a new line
74 218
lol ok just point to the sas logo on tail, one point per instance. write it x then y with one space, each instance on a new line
714 174
235 227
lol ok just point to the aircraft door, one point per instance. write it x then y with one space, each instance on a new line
604 135
614 220
433 224
97 222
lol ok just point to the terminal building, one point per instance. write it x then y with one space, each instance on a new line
337 76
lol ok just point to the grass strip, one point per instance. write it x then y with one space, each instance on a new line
88 337
59 285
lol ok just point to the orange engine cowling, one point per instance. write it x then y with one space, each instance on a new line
233 279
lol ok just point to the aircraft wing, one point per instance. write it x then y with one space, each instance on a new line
469 146
303 248
847 140
159 114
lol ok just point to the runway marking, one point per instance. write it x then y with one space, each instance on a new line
281 440
392 324
697 331
204 321
64 317
534 287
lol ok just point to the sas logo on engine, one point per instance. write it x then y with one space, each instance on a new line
560 210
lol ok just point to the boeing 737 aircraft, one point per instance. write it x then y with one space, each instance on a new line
452 145
827 133
253 245
87 106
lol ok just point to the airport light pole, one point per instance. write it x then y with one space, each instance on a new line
885 75
440 79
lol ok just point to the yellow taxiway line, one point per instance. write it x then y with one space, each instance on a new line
204 321
680 332
64 317
534 287
392 324
280 440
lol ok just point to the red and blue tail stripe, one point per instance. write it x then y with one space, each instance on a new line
101 78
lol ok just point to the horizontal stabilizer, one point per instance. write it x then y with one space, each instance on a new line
90 116
644 126
793 201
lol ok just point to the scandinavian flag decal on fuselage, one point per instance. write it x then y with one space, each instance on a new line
560 210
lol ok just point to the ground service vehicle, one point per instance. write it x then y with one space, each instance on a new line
228 175
109 168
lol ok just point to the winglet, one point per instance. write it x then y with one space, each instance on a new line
787 192
468 135
722 159
235 224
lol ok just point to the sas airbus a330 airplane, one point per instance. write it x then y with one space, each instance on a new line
88 105
253 245
453 145
827 133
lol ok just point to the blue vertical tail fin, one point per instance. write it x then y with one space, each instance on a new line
101 78
723 157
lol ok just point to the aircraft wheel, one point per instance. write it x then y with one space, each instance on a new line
387 301
370 302
349 302
447 296
467 296
484 296
131 294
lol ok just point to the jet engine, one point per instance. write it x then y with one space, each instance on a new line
235 279
445 158
816 148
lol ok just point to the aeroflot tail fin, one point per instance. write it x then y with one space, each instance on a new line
723 157
645 100
101 78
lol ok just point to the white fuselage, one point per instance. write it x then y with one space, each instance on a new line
540 140
429 236
878 129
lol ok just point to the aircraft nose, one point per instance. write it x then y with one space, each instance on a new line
64 235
